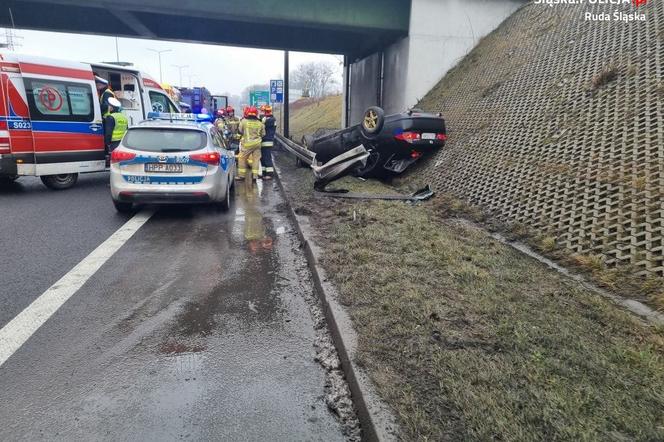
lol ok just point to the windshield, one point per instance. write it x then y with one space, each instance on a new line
165 140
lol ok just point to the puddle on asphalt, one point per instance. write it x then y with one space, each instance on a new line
253 281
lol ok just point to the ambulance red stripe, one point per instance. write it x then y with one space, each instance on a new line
56 71
52 141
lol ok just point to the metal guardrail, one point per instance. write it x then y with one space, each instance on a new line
333 169
301 152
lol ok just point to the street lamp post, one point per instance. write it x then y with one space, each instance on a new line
180 67
161 80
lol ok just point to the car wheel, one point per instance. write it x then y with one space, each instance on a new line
225 204
123 207
7 179
60 182
373 121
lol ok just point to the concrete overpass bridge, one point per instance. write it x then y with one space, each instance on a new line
395 50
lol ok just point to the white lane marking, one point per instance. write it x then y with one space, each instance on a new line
25 324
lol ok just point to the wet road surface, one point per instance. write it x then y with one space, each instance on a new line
197 329
43 234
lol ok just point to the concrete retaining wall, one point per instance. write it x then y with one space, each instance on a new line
441 33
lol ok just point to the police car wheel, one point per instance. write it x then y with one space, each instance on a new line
60 182
225 204
122 207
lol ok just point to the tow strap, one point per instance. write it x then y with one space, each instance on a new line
421 195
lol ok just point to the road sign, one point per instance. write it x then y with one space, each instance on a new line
276 91
259 98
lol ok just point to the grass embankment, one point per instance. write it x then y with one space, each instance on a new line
307 116
467 339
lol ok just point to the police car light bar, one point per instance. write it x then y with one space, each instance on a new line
198 118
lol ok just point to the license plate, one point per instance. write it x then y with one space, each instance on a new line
428 136
163 168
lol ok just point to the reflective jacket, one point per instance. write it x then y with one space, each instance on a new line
233 125
253 131
115 126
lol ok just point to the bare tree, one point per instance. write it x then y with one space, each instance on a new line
313 78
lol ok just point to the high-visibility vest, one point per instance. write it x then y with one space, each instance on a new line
121 124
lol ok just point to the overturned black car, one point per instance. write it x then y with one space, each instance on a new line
380 146
394 142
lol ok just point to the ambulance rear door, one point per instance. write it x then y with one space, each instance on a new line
67 126
16 143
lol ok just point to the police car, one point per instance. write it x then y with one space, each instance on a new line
172 158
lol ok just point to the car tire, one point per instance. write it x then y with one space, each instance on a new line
60 182
225 204
7 179
123 207
372 121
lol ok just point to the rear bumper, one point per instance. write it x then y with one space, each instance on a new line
163 197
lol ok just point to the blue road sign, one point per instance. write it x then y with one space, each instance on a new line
276 91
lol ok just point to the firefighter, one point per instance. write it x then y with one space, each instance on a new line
115 126
220 121
253 131
105 92
268 141
233 125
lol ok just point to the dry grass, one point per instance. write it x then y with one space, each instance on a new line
309 116
468 339
606 76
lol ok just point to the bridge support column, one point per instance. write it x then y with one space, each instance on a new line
442 32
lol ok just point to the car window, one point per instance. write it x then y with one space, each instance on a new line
161 103
59 100
217 138
165 140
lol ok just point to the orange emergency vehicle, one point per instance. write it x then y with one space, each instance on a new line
50 118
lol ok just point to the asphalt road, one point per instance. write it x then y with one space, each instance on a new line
197 328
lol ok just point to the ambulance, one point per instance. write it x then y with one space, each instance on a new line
50 118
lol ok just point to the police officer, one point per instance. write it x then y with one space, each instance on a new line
115 125
105 92
268 141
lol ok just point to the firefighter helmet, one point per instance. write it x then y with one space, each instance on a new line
250 111
267 110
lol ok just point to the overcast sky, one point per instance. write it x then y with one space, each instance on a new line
219 68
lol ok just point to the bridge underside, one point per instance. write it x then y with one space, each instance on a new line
344 27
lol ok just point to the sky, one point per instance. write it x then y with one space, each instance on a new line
219 68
